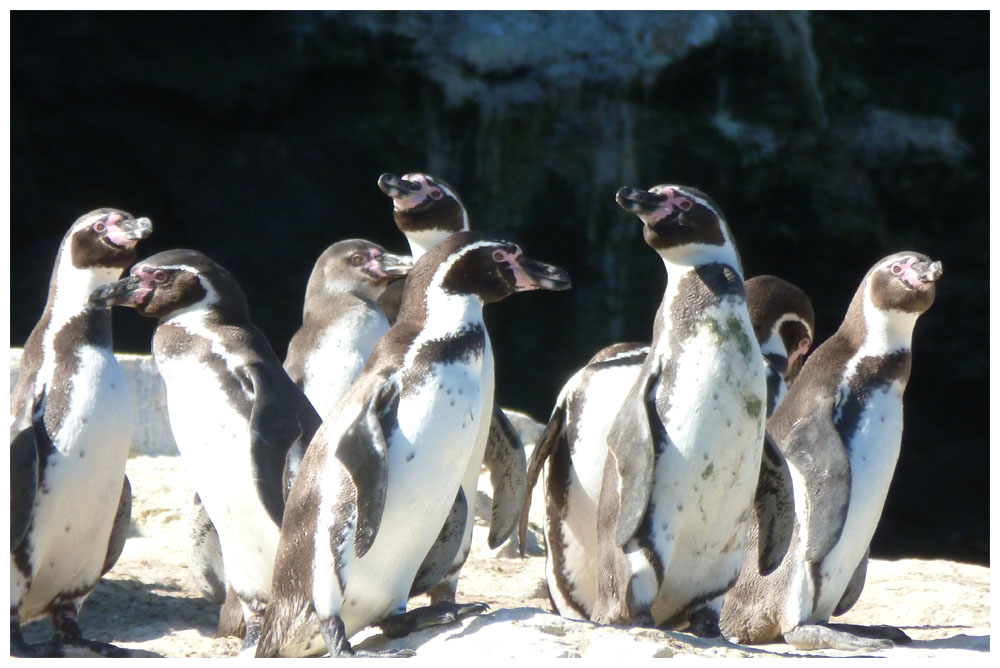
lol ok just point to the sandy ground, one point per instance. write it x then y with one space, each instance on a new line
149 602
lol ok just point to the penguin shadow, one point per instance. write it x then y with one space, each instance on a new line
123 610
974 643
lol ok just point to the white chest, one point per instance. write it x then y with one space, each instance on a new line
874 450
339 357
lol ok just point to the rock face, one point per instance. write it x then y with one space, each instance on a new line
149 603
829 138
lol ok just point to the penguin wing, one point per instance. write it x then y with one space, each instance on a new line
363 452
507 464
119 529
279 418
814 447
553 438
774 508
24 457
854 587
442 553
636 435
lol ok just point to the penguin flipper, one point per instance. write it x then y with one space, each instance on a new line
854 587
774 508
119 529
442 554
814 447
636 434
280 417
23 484
391 299
363 452
551 440
507 464
24 462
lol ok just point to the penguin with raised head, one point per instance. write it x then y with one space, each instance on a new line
840 429
231 406
71 419
427 211
648 494
383 473
782 318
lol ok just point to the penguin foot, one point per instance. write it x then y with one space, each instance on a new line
816 636
336 641
876 632
68 637
643 620
704 623
399 625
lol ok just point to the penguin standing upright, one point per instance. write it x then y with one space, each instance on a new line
71 429
647 504
340 322
427 211
839 428
232 408
384 472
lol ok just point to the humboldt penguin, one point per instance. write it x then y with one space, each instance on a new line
427 210
383 474
232 408
648 495
840 429
71 419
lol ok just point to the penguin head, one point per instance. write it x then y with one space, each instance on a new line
677 220
176 280
426 209
903 282
358 267
105 238
468 263
782 317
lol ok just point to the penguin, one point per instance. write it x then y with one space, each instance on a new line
427 211
383 474
341 323
71 420
656 467
783 322
840 430
230 405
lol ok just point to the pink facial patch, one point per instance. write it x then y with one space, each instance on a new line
905 271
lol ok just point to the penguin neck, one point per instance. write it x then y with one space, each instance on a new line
449 312
874 331
70 289
422 241
683 268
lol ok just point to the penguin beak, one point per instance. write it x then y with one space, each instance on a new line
638 201
533 275
126 233
126 292
394 265
395 187
933 272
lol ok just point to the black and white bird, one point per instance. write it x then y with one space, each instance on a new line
233 411
840 429
71 420
427 211
383 474
655 453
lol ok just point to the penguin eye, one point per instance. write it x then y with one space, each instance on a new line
685 204
897 269
436 194
499 255
100 226
357 259
159 276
